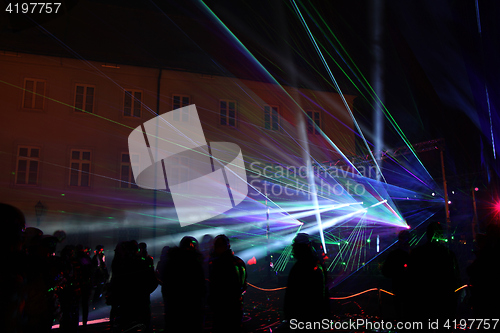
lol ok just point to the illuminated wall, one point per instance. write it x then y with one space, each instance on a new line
47 146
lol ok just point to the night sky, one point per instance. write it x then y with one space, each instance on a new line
438 69
435 67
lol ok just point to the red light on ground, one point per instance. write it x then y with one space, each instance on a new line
252 261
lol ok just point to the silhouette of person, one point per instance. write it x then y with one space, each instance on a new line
132 282
396 268
13 277
184 287
484 273
306 294
435 277
84 268
69 295
228 283
113 295
206 247
42 278
100 275
160 266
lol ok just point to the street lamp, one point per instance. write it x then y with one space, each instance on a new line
39 212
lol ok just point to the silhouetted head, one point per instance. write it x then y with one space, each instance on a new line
32 237
13 225
120 252
302 246
99 249
48 246
221 244
164 252
207 243
60 234
143 248
434 232
68 252
131 248
189 243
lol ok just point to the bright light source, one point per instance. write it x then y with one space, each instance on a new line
449 202
452 192
476 189
433 194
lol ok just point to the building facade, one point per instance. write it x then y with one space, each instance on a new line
65 124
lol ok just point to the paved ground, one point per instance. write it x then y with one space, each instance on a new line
263 309
262 312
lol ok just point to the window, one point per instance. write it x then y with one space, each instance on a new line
179 101
313 118
80 168
34 94
84 98
271 117
28 161
126 175
227 112
133 103
178 171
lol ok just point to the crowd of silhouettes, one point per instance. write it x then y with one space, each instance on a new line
44 287
40 286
